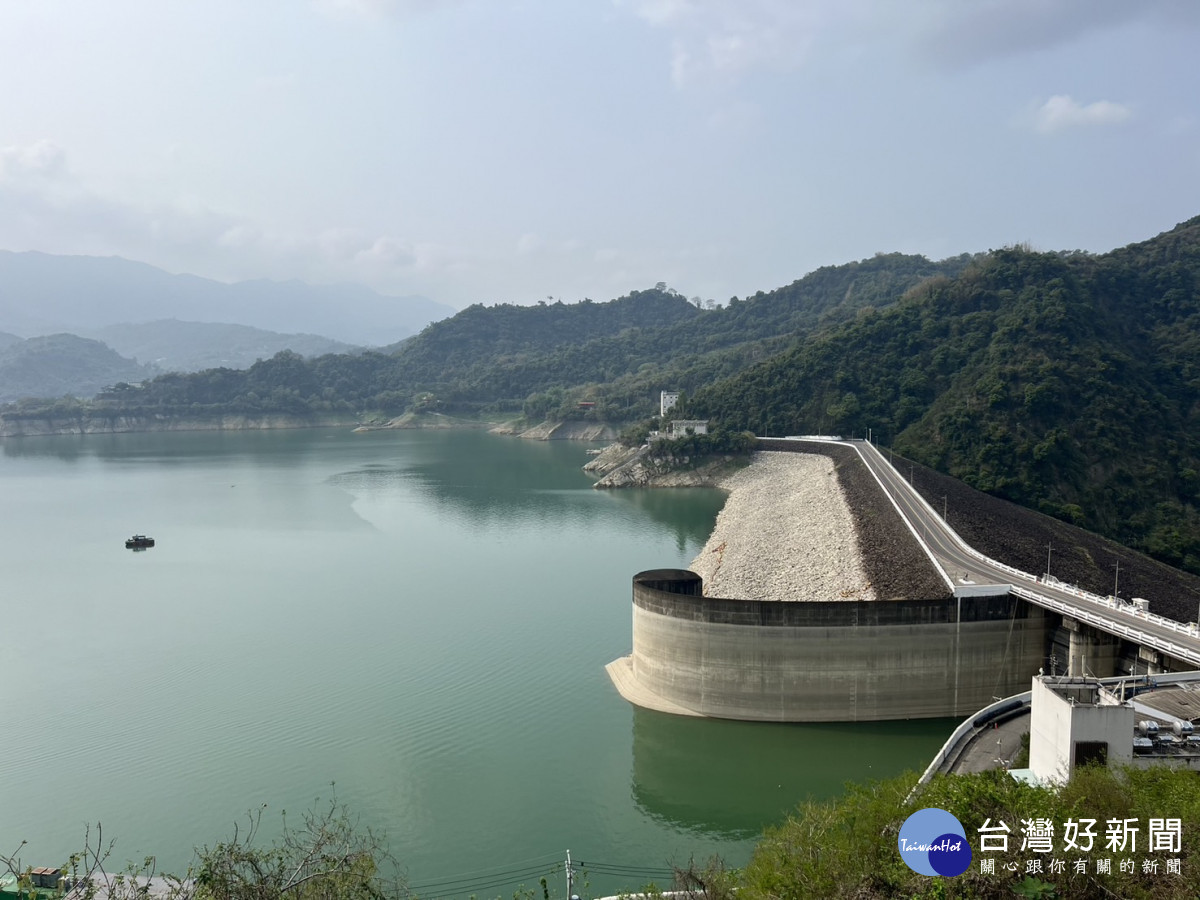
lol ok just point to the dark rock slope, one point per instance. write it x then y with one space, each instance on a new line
1008 533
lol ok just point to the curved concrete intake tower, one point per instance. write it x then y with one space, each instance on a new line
826 609
835 661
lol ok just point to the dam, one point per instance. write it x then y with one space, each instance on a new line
823 662
929 643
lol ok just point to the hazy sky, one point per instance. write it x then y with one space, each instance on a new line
510 150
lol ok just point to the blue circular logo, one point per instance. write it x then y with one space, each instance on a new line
933 842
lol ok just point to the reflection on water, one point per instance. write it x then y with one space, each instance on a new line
264 447
421 617
486 481
471 475
732 779
686 511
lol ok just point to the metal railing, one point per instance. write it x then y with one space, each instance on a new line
1118 626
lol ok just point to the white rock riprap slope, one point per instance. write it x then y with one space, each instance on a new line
785 533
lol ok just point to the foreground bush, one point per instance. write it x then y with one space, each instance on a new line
848 847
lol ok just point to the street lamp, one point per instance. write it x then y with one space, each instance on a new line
1048 561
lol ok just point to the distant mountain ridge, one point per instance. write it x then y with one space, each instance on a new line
170 345
83 365
46 294
58 365
1067 382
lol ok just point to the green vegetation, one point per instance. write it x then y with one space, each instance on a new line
540 361
328 856
717 443
1065 382
848 847
70 364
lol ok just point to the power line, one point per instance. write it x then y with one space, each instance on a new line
600 870
479 881
499 877
547 859
619 869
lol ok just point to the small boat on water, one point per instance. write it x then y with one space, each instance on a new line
139 542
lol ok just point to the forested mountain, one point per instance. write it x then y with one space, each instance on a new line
1068 382
170 345
60 364
627 350
1065 382
543 359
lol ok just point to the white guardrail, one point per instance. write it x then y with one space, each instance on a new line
967 729
1108 623
1105 622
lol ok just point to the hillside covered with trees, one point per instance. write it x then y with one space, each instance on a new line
1067 382
1064 382
73 365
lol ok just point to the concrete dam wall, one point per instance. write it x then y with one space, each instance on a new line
840 661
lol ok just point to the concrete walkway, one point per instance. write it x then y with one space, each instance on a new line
992 747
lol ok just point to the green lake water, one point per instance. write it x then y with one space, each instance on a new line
421 618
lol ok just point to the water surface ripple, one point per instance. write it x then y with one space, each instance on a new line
422 618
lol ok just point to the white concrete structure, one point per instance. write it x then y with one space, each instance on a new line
666 401
1075 721
680 427
835 661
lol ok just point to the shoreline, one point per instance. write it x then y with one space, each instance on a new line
45 426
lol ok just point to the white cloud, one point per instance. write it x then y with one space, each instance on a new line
729 37
1061 112
389 252
43 207
663 12
43 159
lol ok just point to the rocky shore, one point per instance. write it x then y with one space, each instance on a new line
797 525
619 466
558 431
543 431
786 533
20 426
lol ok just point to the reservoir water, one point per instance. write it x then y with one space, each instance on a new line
420 619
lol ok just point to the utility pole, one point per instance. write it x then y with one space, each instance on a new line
944 507
570 879
1115 577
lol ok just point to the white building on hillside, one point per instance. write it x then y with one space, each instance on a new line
667 400
680 427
